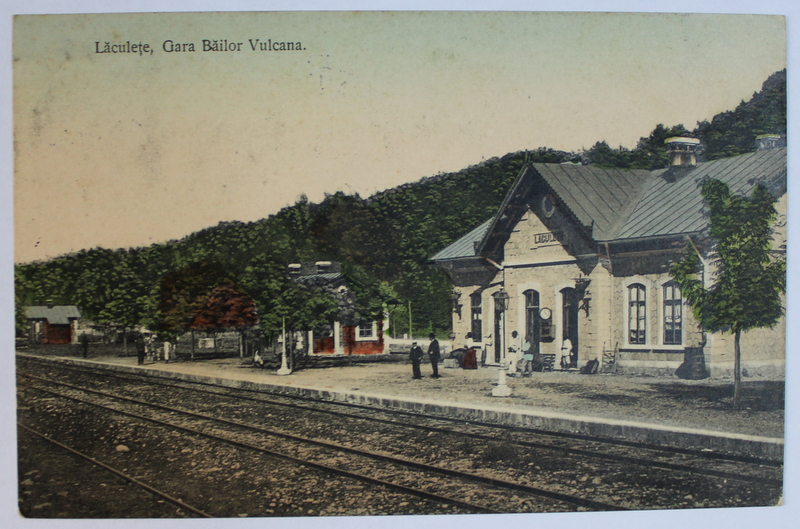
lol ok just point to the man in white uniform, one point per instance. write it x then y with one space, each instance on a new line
514 353
566 354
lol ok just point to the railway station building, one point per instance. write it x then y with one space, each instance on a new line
579 255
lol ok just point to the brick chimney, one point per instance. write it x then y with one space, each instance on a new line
681 151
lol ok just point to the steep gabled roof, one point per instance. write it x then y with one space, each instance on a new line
599 197
670 207
622 204
58 315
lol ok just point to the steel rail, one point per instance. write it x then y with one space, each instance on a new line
478 509
527 444
575 500
126 477
702 454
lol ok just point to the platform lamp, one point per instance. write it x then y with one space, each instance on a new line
582 286
284 369
454 297
501 300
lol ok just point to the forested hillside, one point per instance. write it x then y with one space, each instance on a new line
384 242
727 134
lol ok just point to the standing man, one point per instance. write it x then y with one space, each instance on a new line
416 360
566 354
433 353
514 354
85 345
140 349
149 350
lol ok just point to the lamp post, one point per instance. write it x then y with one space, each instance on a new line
454 297
410 329
501 298
284 370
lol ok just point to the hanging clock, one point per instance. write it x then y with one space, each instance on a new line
545 313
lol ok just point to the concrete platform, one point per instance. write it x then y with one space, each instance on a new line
537 402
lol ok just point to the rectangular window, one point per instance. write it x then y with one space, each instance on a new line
637 315
365 329
205 343
673 315
477 318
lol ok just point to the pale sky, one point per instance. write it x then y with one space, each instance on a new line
120 150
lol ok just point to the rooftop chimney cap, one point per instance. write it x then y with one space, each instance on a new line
682 151
323 267
681 140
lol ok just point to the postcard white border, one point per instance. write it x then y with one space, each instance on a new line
774 518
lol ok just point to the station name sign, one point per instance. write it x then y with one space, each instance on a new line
542 239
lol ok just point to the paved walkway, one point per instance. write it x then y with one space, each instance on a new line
646 408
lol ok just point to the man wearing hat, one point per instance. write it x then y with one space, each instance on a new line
416 359
433 353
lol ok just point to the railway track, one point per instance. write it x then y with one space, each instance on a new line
117 472
654 464
366 476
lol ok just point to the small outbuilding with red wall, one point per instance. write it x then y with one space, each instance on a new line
52 325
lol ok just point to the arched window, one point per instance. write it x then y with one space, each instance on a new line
637 314
673 314
477 317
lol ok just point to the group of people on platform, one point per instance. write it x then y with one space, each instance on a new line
417 355
520 357
147 350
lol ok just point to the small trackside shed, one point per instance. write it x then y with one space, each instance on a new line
52 325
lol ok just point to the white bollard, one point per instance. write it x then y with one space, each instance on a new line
501 389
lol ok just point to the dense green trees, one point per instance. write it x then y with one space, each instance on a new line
384 240
733 132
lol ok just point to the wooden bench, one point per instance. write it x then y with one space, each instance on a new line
548 361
